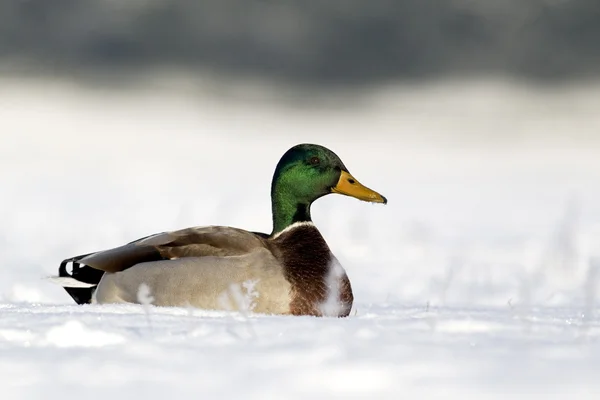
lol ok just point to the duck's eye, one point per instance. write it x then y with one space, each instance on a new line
314 160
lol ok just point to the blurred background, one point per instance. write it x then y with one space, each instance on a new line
334 43
477 119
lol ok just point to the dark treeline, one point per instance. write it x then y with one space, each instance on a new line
307 41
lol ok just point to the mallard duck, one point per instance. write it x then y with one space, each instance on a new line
289 271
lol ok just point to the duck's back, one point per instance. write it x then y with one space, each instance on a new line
211 267
191 242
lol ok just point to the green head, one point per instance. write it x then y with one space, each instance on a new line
305 173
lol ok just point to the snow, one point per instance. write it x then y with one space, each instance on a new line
479 278
385 351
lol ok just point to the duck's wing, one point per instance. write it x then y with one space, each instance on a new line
87 270
191 242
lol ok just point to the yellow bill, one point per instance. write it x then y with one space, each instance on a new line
349 186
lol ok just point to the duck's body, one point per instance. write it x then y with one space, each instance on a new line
291 271
211 267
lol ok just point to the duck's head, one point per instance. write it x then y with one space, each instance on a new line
305 173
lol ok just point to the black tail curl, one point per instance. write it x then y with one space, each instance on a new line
82 273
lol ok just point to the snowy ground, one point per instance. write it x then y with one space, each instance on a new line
479 278
387 351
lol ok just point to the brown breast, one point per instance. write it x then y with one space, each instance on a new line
320 286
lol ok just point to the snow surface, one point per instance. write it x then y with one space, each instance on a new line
479 278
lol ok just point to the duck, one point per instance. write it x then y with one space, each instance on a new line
290 271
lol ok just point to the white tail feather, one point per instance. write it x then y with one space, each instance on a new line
66 281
